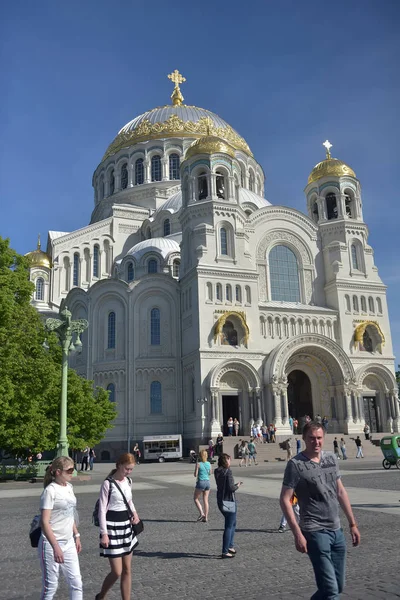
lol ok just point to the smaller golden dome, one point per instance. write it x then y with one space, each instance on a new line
38 258
209 144
331 166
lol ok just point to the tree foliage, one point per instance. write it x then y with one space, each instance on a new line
30 377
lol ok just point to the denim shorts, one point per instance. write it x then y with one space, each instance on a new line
203 485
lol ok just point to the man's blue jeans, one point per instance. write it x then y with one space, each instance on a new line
327 552
229 531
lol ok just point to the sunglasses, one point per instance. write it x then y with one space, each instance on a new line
69 471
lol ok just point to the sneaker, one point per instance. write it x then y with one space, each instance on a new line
282 529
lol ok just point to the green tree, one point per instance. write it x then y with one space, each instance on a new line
30 377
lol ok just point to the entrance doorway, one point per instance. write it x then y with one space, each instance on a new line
299 395
371 413
230 408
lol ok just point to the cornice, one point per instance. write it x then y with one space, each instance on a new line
228 272
84 230
286 214
360 286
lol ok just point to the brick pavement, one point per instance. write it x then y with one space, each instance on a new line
178 558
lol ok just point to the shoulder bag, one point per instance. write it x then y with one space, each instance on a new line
136 527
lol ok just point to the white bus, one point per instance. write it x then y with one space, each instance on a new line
162 447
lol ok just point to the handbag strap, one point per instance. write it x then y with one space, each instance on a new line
123 496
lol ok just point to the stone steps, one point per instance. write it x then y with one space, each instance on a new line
277 452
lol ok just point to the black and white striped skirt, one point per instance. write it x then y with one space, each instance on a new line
120 534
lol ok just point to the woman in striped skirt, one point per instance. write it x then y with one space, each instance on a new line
117 539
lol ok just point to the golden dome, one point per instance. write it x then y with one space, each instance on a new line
210 144
331 166
38 258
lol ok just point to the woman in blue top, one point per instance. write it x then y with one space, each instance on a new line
202 473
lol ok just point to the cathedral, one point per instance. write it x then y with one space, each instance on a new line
205 301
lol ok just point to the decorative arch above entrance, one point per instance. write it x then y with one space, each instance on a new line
379 398
243 368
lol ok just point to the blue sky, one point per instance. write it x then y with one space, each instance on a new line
287 75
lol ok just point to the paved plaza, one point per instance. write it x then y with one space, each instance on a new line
178 558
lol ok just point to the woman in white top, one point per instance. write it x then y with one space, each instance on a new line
59 544
117 539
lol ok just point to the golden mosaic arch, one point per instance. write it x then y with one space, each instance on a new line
231 313
360 330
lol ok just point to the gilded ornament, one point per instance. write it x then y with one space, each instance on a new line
38 258
176 95
209 145
330 167
174 126
232 313
360 330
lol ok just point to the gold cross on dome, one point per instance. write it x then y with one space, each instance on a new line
176 78
328 147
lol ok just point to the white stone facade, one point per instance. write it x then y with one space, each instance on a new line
205 301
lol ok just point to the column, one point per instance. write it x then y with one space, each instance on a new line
360 402
350 426
396 411
322 209
277 407
257 402
285 406
191 190
117 175
215 423
231 187
164 169
131 172
340 205
212 191
146 171
389 406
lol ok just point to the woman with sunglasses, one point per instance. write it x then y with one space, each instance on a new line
60 543
117 514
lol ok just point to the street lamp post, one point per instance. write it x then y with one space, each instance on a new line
65 328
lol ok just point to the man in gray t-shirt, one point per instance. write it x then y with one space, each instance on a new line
313 475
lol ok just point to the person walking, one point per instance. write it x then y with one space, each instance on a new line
202 472
244 450
359 447
315 478
336 448
288 449
343 448
252 452
325 423
230 426
295 425
226 488
295 505
117 514
136 453
92 456
366 431
60 542
272 433
236 426
210 449
85 458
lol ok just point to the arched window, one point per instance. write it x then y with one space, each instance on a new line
251 181
174 165
223 237
371 305
347 303
354 257
176 265
209 291
124 177
218 291
331 206
228 292
112 182
379 305
363 304
284 275
220 185
167 227
130 272
111 392
348 206
155 339
238 293
248 294
75 279
229 334
155 398
96 261
156 168
39 290
152 266
111 330
315 213
139 172
101 191
202 186
355 303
